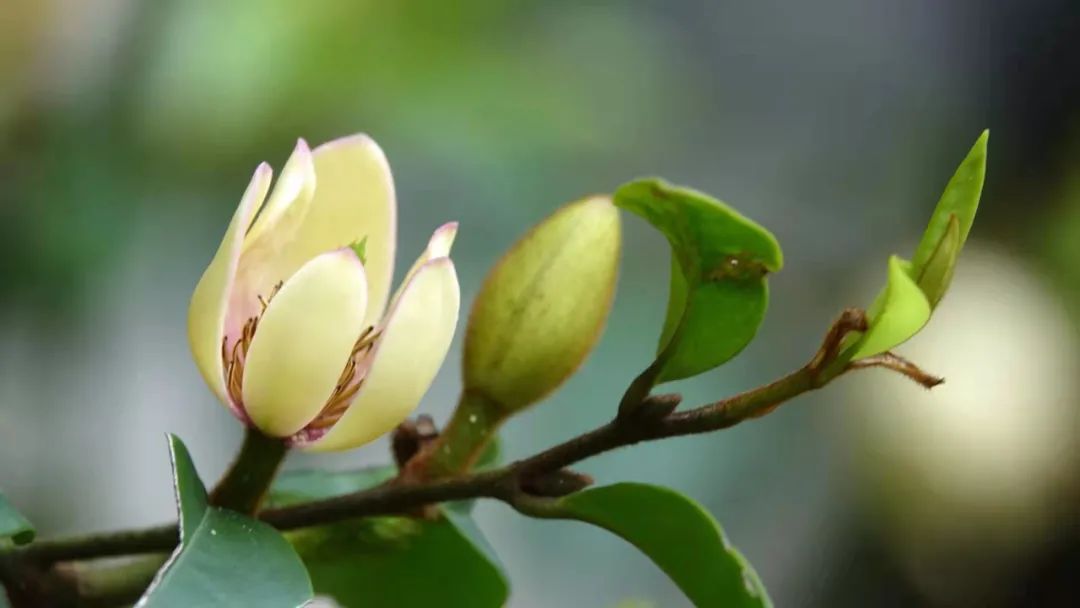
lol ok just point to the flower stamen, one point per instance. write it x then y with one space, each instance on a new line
235 357
348 383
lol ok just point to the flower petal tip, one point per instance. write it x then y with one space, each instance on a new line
442 240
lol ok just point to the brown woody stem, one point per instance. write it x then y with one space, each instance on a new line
505 483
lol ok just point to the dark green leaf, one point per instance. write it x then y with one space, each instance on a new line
191 500
393 561
295 487
679 536
224 558
13 525
718 294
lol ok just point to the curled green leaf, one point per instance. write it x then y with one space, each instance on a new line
915 288
897 315
718 294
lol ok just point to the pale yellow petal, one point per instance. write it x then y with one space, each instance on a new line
303 342
438 247
209 302
414 342
353 200
296 181
265 261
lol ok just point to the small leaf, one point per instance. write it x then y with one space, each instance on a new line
224 558
541 309
679 536
960 200
393 561
13 525
915 288
937 274
897 314
360 249
718 295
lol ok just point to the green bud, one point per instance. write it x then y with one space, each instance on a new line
542 308
915 288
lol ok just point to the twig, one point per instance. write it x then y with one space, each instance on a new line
900 365
506 483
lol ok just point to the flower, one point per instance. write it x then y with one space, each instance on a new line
289 324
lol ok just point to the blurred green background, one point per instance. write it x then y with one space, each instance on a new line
128 130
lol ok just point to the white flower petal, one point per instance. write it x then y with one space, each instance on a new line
265 262
405 359
209 302
354 200
438 247
303 342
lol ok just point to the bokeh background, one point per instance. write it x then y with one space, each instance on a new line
128 130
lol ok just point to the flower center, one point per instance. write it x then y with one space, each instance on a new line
348 384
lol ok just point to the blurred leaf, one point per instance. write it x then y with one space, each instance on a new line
718 293
960 200
491 457
393 561
224 558
679 536
13 525
542 307
897 315
294 487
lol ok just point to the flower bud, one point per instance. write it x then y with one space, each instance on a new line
541 309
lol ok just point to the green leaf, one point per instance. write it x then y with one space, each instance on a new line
224 558
13 525
393 561
937 273
960 200
915 288
360 249
718 294
295 487
679 536
897 314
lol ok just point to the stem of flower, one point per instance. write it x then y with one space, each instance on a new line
248 478
475 422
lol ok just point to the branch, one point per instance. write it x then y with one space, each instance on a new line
509 483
